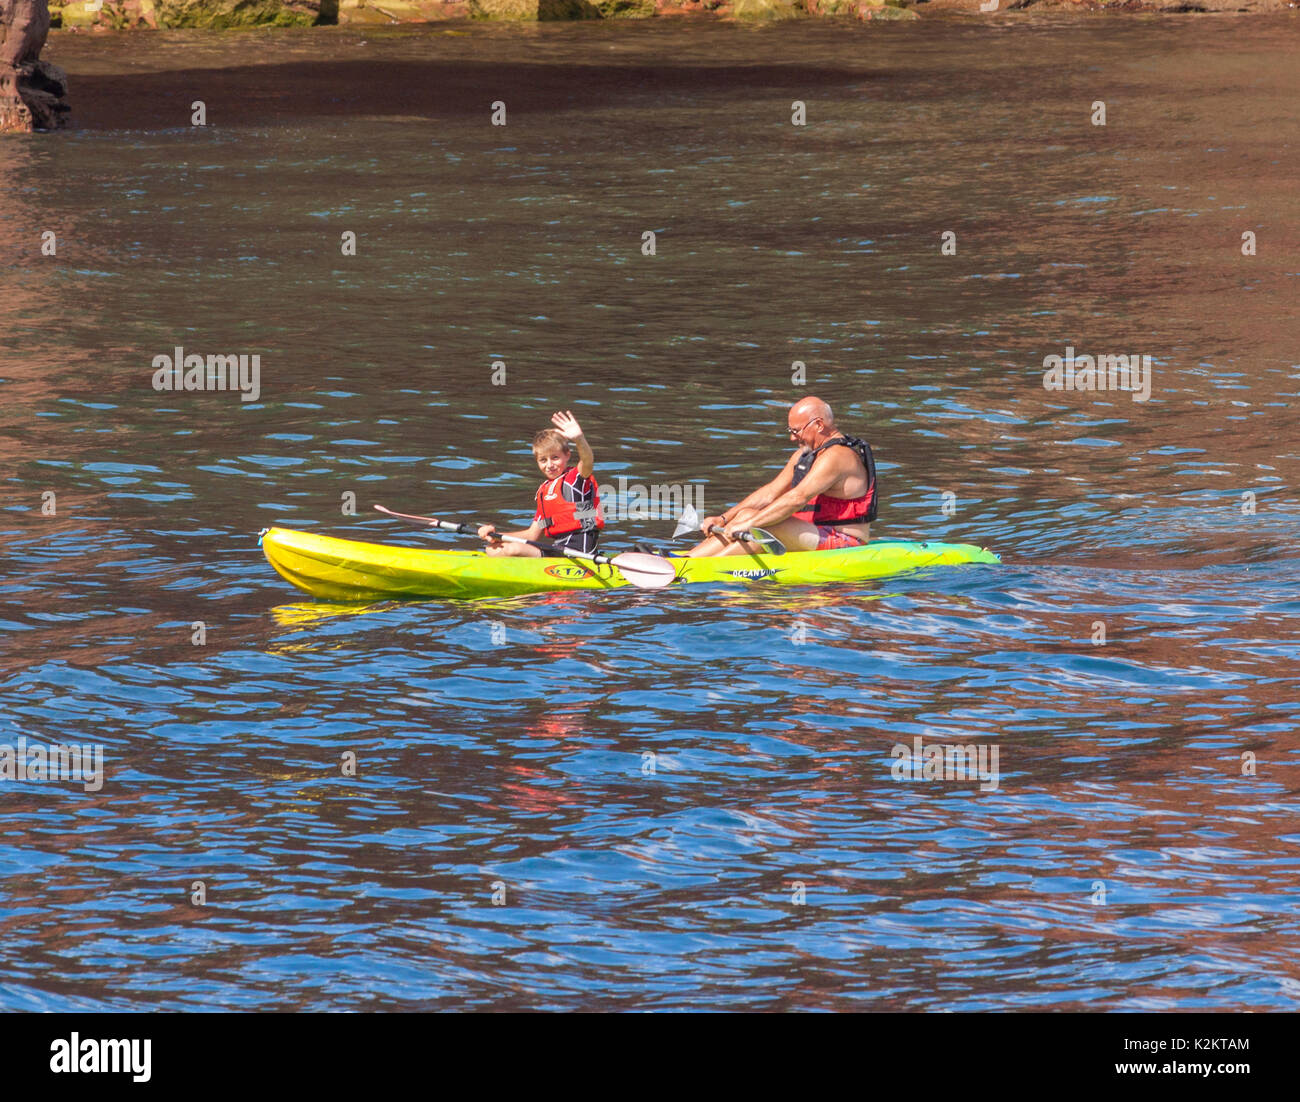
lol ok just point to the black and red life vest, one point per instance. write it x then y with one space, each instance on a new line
824 509
569 503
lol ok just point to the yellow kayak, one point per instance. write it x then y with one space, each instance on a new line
347 570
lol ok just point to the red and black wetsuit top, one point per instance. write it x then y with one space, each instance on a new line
569 503
837 510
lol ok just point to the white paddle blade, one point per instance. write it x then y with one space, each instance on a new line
771 544
645 571
689 521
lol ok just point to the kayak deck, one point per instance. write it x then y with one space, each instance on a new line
349 570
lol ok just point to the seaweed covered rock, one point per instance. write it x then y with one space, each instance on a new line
121 15
766 10
220 14
625 9
866 10
533 10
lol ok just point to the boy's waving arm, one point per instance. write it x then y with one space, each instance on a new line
568 425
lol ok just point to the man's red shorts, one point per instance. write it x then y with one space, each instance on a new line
832 539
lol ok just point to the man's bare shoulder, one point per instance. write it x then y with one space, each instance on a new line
840 459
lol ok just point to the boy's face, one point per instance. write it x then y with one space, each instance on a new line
552 461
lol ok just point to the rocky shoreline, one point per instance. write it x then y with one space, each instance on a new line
33 92
109 15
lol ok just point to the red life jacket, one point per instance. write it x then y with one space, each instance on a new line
569 503
825 509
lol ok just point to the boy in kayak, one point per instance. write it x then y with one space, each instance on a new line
836 473
568 504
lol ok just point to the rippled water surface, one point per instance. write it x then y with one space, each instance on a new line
677 799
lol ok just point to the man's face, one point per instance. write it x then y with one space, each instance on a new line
800 427
552 461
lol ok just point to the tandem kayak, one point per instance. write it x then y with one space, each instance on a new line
347 570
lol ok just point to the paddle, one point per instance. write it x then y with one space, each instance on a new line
641 570
690 522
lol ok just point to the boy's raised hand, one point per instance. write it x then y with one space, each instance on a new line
567 424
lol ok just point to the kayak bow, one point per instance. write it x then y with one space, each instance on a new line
348 570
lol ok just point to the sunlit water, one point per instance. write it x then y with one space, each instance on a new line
682 798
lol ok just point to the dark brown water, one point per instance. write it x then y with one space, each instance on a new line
1124 860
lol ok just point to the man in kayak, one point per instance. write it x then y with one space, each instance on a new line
836 473
568 504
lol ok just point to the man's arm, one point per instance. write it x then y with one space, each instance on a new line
832 465
766 494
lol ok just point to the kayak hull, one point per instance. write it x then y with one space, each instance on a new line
349 570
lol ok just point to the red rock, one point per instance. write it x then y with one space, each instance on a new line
32 91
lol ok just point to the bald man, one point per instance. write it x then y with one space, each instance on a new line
836 473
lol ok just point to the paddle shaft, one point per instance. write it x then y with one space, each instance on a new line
760 536
472 530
